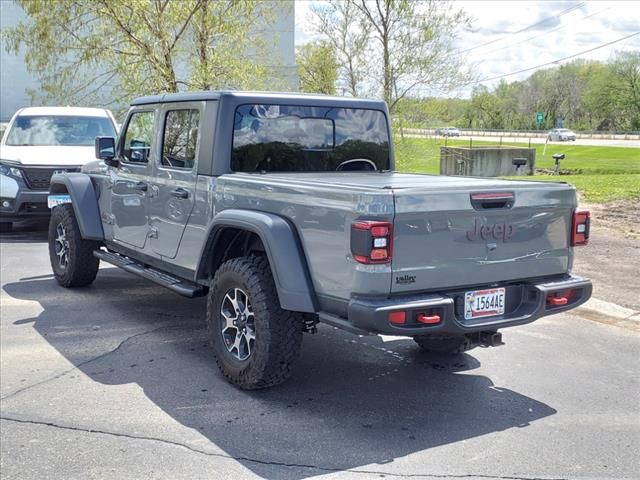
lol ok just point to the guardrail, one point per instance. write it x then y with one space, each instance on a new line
528 133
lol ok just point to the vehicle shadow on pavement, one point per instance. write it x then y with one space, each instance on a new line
351 402
26 232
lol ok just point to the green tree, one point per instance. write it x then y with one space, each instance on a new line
600 100
626 69
432 112
409 45
486 108
106 51
508 98
317 68
341 24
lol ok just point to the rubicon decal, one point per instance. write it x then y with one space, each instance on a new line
499 231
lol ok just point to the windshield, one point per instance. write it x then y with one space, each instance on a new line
46 130
287 138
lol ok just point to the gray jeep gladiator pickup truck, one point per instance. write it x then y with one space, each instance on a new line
285 210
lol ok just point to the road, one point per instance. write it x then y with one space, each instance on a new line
117 381
497 139
594 142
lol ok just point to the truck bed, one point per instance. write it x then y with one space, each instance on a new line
395 180
438 237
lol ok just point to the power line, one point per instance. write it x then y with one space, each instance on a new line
552 62
561 27
544 20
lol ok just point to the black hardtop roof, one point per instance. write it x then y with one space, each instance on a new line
303 99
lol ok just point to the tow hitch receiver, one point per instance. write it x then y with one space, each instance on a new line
483 339
490 339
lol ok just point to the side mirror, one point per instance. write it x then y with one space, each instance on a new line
106 150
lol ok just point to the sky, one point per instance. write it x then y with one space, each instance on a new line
509 36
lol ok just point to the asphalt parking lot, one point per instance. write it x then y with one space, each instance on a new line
117 381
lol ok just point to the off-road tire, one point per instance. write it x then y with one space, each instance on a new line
81 267
447 345
278 332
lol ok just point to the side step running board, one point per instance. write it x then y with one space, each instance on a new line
178 285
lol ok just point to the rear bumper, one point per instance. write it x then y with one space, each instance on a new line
526 302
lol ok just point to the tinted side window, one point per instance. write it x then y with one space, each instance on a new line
138 138
180 138
291 138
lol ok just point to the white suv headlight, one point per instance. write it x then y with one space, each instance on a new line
10 171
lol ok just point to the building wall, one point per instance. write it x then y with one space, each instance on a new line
486 161
282 58
15 80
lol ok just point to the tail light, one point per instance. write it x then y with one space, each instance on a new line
580 228
371 241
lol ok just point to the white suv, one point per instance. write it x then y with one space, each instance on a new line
561 135
448 132
38 142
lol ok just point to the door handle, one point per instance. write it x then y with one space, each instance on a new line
141 186
180 193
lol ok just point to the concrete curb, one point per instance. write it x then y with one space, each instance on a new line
609 309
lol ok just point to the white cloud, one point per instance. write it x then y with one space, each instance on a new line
509 36
556 30
304 31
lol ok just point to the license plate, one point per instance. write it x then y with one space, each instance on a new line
484 303
55 200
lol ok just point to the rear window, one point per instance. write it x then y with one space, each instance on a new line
45 130
289 138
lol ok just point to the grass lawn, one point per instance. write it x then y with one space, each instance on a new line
600 174
600 188
420 155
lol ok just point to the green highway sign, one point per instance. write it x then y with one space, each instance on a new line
540 118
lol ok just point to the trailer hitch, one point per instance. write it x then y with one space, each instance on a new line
484 339
491 339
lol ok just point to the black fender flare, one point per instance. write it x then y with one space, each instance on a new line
283 249
84 201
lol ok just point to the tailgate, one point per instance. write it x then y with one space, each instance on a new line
452 238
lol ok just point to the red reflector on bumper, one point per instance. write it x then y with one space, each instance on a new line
428 319
557 300
397 318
